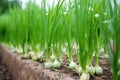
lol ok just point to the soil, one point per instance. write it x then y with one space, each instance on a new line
33 70
4 73
104 63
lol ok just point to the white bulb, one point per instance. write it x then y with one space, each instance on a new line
34 57
25 56
39 55
78 70
31 53
56 64
90 69
19 50
48 65
72 65
85 76
98 70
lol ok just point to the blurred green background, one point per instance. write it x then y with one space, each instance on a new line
5 4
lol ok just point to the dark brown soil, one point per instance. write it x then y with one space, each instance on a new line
4 73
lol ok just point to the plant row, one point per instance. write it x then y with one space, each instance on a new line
82 28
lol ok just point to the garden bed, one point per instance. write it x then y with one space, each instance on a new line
4 72
25 69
